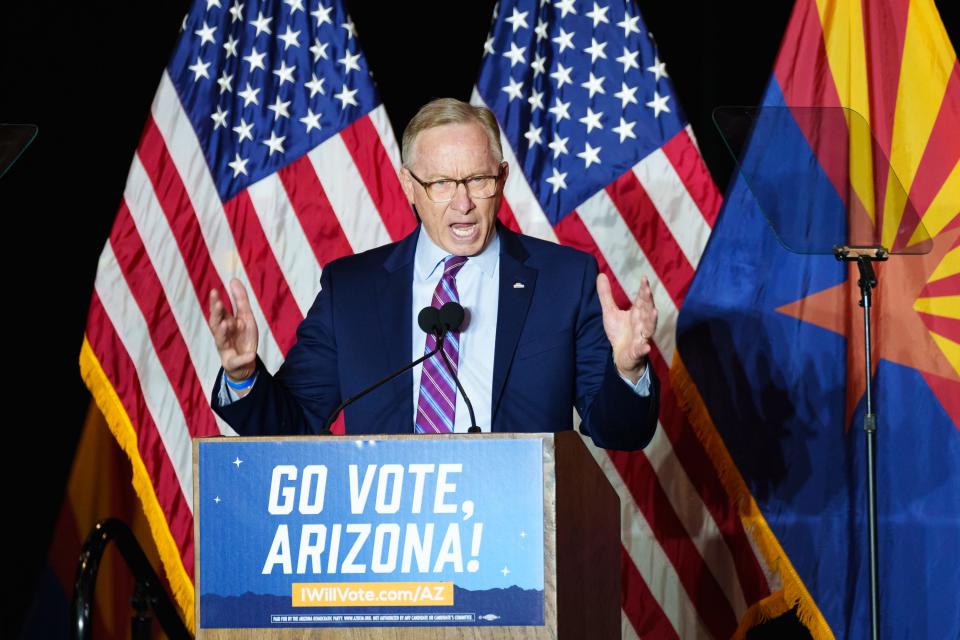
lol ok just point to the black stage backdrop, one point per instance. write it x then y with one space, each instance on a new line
86 73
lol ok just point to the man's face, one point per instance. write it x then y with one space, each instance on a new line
465 225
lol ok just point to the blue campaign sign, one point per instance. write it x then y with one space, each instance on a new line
330 532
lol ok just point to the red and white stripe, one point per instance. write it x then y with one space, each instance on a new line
690 570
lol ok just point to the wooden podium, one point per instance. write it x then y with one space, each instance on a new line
580 527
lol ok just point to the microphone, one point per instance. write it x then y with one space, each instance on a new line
429 320
450 317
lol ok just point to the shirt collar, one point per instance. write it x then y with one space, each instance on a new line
429 256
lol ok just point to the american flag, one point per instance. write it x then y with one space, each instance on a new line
604 161
266 154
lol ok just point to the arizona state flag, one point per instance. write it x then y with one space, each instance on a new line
771 342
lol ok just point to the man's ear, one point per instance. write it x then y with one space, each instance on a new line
406 183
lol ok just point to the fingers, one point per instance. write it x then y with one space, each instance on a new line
240 296
216 311
605 293
644 295
646 318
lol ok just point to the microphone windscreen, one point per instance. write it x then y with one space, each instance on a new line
451 316
429 320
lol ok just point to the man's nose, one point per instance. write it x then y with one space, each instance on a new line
461 200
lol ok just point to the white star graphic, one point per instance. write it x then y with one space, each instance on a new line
598 15
625 130
596 50
225 82
319 50
488 46
589 155
658 104
505 571
346 96
255 59
349 62
280 109
594 85
217 499
541 29
629 25
219 118
518 20
562 75
238 461
295 5
592 120
514 89
523 534
629 59
244 130
538 64
213 3
535 100
559 147
659 69
626 94
199 69
558 180
515 54
312 120
322 14
274 142
533 136
206 33
315 85
564 40
230 46
565 6
351 30
262 24
285 73
560 110
239 165
290 38
249 95
236 10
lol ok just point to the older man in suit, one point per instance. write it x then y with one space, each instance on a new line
542 335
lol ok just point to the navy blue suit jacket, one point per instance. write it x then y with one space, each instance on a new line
551 352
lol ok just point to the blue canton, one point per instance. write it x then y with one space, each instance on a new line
265 82
580 92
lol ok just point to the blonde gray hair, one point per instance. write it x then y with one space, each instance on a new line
441 111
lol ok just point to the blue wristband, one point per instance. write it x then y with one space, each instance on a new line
239 386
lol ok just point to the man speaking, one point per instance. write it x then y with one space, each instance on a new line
536 341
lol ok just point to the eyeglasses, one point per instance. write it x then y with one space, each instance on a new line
445 189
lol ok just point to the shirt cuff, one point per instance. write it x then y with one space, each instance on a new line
227 396
642 388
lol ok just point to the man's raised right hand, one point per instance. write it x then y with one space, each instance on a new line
236 336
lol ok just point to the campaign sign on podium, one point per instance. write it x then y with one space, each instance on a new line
329 532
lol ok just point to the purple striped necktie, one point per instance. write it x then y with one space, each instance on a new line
437 403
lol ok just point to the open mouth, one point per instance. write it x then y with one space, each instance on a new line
464 231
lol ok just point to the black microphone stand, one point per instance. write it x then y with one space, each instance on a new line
380 383
864 257
473 419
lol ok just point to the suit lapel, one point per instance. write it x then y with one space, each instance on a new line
394 303
517 283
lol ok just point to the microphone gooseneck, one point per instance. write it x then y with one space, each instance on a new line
436 322
451 318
